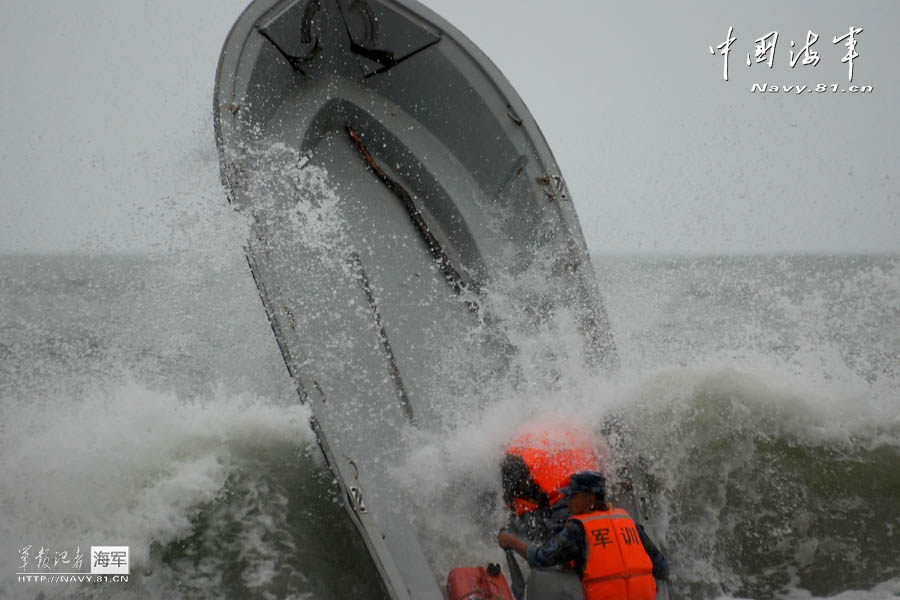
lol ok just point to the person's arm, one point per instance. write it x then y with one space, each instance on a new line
659 560
565 546
508 540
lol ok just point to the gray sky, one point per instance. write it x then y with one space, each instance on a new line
106 138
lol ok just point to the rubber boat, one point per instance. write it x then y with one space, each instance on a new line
394 182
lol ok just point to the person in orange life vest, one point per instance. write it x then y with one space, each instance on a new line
537 465
611 553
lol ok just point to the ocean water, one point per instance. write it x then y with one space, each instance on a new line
145 404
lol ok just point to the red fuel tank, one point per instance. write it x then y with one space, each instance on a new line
477 583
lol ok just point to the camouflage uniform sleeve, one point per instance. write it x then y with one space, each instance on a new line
561 549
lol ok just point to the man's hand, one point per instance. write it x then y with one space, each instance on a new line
508 540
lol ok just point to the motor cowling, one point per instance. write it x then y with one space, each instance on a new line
478 583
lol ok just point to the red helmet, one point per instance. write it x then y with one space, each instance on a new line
551 453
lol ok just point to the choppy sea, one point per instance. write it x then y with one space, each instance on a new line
144 404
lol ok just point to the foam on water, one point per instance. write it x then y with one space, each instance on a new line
774 468
762 489
145 404
126 465
771 435
764 486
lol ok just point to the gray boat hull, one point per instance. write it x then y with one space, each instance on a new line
394 179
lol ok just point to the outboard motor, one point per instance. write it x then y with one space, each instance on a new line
488 583
478 583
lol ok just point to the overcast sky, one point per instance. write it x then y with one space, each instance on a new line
106 139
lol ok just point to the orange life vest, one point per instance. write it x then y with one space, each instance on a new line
618 567
552 455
